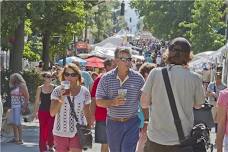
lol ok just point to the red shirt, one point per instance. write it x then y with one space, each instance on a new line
100 113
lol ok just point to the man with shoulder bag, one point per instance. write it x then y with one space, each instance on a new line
175 90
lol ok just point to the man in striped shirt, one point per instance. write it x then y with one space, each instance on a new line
119 91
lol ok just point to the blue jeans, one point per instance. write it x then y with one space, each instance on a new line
123 136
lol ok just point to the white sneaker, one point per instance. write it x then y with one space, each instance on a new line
51 149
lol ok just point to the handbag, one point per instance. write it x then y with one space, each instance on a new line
84 133
199 135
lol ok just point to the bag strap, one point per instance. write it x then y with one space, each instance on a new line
172 103
72 108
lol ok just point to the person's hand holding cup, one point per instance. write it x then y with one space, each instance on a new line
66 87
121 98
122 93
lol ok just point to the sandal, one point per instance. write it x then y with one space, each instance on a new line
19 142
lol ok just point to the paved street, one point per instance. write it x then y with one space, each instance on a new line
30 137
30 134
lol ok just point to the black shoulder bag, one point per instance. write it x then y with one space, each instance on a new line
84 133
199 135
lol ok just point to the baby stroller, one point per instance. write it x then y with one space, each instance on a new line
204 116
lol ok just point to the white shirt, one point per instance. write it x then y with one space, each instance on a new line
65 125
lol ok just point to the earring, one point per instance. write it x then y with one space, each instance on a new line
78 83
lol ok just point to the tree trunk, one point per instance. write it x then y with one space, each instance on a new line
86 28
16 53
45 53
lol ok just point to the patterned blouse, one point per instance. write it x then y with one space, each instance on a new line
65 124
16 98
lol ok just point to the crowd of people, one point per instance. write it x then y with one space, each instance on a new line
111 102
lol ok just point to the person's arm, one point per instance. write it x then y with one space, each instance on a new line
221 118
87 114
57 99
199 96
93 104
93 109
55 106
210 90
106 103
25 93
37 102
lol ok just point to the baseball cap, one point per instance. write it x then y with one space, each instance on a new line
180 44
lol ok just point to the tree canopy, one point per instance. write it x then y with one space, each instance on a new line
200 21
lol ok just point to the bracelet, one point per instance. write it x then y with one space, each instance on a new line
146 122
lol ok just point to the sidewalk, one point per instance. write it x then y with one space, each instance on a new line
31 135
30 138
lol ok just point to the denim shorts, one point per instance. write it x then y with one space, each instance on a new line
100 132
15 116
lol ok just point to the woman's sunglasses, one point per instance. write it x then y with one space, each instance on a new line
47 76
66 74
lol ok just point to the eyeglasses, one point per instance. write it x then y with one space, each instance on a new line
66 74
126 59
47 76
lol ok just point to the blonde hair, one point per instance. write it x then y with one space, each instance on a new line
16 80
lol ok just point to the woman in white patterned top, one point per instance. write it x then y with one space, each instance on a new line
19 102
64 130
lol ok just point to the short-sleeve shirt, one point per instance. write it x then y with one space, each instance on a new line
100 113
108 89
212 87
223 102
65 124
187 89
88 81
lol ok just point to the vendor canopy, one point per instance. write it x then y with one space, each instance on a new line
95 62
71 59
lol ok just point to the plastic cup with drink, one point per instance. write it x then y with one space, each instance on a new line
122 93
66 86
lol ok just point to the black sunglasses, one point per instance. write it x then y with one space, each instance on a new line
47 76
126 59
66 74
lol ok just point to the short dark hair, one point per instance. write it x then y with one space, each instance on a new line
178 52
108 62
146 68
177 58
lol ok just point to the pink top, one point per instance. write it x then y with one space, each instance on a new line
223 101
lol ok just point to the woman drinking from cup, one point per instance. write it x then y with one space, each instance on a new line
64 130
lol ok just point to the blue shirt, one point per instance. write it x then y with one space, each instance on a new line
88 81
108 89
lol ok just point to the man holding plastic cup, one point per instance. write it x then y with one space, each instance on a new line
119 92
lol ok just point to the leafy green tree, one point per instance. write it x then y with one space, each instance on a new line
162 18
206 23
13 15
56 18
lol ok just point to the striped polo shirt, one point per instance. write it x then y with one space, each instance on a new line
108 89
